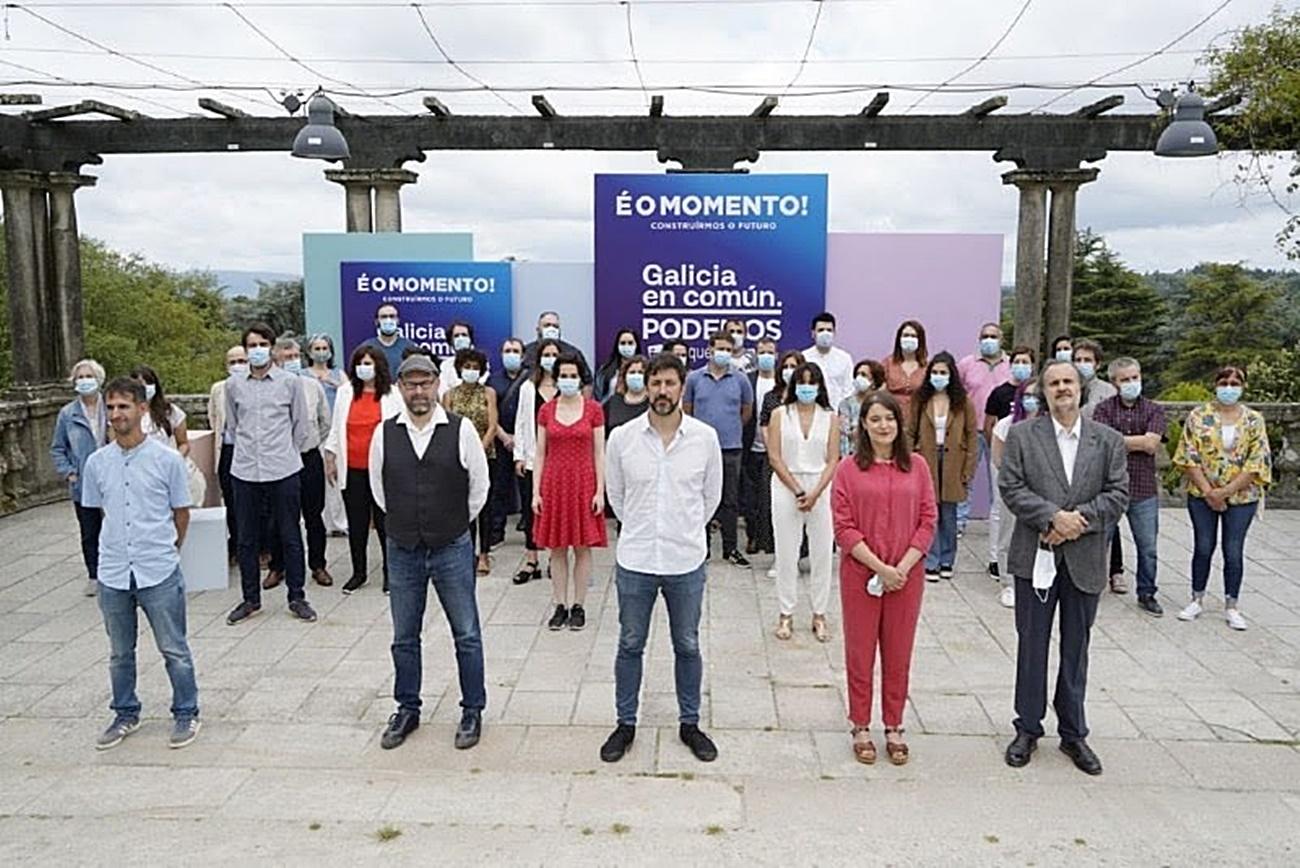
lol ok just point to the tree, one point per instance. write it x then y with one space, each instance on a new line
1262 65
280 304
1115 305
1224 316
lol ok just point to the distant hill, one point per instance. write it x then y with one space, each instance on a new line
235 283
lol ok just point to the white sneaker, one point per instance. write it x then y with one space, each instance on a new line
1235 620
1192 611
1008 598
805 565
771 574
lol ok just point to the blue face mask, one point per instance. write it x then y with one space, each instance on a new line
86 385
293 366
627 351
259 357
635 382
909 344
825 339
511 361
939 382
767 361
1030 403
722 358
461 342
548 362
1228 395
568 386
1131 390
1064 355
989 347
806 392
470 375
1021 372
388 326
1087 370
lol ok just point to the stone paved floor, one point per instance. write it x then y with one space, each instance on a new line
1197 726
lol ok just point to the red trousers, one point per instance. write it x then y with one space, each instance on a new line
888 621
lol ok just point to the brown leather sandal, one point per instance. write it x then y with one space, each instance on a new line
819 628
863 751
785 627
897 750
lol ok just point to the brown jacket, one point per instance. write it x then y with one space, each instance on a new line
961 453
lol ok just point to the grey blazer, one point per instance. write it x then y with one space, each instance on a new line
1033 485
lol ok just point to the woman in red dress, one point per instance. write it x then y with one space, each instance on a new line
569 501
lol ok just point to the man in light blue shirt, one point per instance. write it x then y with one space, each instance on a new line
722 398
142 490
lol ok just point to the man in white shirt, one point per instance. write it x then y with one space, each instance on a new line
663 479
429 474
836 364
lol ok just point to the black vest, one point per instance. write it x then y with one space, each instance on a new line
427 498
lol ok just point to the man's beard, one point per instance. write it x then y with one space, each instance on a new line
671 408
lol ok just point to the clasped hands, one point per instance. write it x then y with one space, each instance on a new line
1066 527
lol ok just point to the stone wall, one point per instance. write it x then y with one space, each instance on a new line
27 419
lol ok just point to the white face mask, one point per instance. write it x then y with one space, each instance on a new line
550 333
365 372
470 375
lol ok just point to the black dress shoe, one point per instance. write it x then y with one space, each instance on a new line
471 727
618 742
1151 606
400 725
700 744
1084 759
1020 750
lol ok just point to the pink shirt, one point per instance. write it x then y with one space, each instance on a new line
891 511
980 379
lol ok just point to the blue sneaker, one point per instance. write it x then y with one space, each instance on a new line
119 729
184 731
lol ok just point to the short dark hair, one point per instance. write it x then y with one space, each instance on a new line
567 358
260 329
666 362
1061 339
462 323
1090 345
384 305
875 371
668 346
513 341
1227 371
133 389
807 369
721 335
464 357
824 316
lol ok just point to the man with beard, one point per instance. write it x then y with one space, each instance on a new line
663 478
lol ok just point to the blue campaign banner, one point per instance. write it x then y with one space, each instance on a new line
429 296
677 255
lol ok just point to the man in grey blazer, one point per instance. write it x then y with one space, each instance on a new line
1065 479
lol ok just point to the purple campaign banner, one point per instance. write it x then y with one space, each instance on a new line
677 255
429 296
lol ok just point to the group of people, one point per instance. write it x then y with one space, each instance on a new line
813 450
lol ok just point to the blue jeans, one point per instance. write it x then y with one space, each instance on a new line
1144 522
164 606
1205 531
451 569
684 596
981 467
943 550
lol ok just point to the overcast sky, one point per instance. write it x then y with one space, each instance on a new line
247 211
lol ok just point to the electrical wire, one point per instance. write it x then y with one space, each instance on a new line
1151 56
393 4
631 47
807 48
979 60
447 57
140 99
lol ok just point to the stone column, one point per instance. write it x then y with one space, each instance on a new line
386 214
1064 185
20 188
1029 255
65 286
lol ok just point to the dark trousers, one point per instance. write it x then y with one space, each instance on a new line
756 500
312 478
282 501
89 521
728 509
1034 629
503 494
362 510
526 508
1116 554
227 483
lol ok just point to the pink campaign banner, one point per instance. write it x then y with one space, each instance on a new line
952 284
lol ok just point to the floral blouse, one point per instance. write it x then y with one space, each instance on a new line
1202 446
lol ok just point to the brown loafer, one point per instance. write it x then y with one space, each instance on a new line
322 577
897 750
273 578
864 750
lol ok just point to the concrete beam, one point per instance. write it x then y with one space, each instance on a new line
988 107
20 99
1105 104
877 104
436 108
657 106
765 108
543 106
85 107
220 108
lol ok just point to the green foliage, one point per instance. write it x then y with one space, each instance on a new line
280 304
1187 392
1115 305
1262 63
1225 316
1274 377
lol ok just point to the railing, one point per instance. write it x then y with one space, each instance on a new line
27 418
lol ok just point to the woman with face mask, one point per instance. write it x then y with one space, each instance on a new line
1024 405
477 402
569 499
942 428
905 366
630 398
364 400
786 364
626 345
320 356
868 376
803 447
165 421
536 392
82 427
1225 458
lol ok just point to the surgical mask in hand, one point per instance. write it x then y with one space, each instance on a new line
365 372
568 386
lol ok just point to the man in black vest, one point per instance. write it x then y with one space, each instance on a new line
429 474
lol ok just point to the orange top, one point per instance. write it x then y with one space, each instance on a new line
363 416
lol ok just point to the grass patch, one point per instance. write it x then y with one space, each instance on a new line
688 776
587 830
387 832
992 839
1080 842
315 826
828 777
713 829
620 828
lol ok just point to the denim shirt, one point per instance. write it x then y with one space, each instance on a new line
74 441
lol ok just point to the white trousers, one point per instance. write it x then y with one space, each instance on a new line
1001 525
336 518
788 525
996 509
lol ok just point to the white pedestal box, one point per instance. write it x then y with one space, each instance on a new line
203 556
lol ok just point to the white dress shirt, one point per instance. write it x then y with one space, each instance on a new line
837 368
1067 440
664 496
472 456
